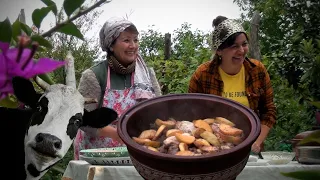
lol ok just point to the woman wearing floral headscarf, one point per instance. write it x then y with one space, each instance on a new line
118 82
232 75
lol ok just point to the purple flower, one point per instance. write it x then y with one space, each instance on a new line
19 62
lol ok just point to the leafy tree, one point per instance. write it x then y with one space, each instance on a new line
189 50
285 25
85 51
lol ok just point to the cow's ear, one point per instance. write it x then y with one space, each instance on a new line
24 91
99 118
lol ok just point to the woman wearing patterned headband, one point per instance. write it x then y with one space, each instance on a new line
232 75
118 82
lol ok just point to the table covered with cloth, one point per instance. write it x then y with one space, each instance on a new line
81 170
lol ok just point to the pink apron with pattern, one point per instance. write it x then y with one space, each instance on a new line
120 101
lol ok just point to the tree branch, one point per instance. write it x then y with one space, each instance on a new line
60 25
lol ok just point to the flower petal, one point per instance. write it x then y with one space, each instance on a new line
44 65
6 90
4 46
3 71
13 53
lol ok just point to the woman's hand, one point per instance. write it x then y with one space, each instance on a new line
110 132
256 147
114 135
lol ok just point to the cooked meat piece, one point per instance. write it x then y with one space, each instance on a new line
215 127
163 149
171 140
227 146
185 126
173 149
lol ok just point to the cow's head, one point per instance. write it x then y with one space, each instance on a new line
57 115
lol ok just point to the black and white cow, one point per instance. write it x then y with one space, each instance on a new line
34 139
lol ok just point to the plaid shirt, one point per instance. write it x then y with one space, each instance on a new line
206 79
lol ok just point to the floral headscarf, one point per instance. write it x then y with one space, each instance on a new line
111 31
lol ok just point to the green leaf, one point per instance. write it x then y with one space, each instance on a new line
5 31
41 40
9 102
71 5
46 78
39 14
310 174
26 28
52 5
71 29
313 137
315 103
16 30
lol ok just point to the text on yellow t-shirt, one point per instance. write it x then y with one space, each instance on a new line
234 86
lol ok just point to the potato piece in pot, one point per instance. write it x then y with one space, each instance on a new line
211 138
140 140
154 144
196 133
229 130
172 132
202 124
185 138
148 134
169 124
153 149
185 153
221 120
231 139
201 142
209 120
183 147
159 132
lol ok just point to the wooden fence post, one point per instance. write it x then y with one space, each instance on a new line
167 46
167 54
254 49
22 16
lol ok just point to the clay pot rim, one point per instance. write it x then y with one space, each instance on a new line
122 132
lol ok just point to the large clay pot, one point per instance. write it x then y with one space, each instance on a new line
154 165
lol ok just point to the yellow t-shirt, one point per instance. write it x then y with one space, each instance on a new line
234 86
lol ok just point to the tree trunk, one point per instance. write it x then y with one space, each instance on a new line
254 48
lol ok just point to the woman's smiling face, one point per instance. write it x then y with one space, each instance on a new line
234 55
126 47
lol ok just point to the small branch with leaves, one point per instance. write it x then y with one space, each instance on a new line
67 22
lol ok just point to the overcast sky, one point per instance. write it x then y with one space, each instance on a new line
166 15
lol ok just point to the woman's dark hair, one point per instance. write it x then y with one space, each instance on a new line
230 40
131 28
